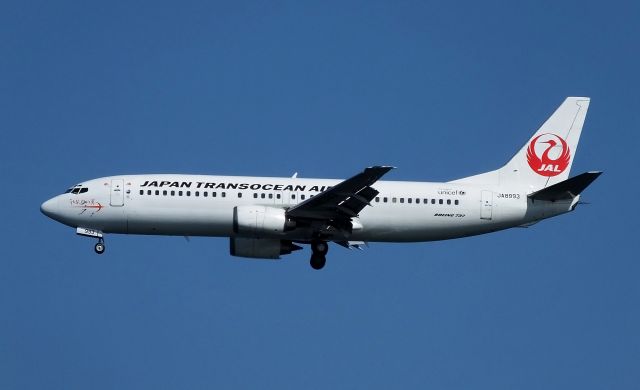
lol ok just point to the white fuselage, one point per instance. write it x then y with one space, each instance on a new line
200 205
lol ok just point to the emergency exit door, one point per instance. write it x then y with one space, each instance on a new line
117 192
486 207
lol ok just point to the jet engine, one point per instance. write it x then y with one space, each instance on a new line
261 248
260 221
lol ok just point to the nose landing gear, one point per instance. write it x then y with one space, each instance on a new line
318 257
87 232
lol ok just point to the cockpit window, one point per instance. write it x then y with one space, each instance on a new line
79 189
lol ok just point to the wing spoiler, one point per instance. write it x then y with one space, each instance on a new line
566 190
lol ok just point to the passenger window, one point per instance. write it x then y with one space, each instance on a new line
377 199
433 201
293 196
302 196
173 193
224 194
255 195
239 194
401 200
393 200
180 193
197 193
456 202
213 194
270 196
141 192
278 196
157 192
385 199
262 196
205 194
409 200
448 201
164 192
188 193
440 201
148 192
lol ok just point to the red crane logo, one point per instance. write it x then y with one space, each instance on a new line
545 165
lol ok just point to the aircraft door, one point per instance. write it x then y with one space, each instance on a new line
486 206
117 192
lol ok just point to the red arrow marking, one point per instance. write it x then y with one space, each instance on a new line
98 206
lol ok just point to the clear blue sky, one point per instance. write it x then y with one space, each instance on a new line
441 90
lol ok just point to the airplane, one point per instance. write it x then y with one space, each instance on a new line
267 217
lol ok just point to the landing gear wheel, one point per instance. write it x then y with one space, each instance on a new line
318 261
318 258
99 248
320 247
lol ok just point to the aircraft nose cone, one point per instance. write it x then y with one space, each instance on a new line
49 208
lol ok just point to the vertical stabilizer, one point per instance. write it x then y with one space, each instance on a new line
547 156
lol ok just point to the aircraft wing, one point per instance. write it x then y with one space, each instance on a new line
342 201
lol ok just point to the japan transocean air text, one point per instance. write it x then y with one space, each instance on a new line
233 186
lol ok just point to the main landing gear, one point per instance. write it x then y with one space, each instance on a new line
318 257
99 248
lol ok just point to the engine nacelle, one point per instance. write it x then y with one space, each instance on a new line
260 248
260 221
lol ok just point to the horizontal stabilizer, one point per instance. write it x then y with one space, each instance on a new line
566 190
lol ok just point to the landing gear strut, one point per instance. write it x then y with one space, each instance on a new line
99 248
318 257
